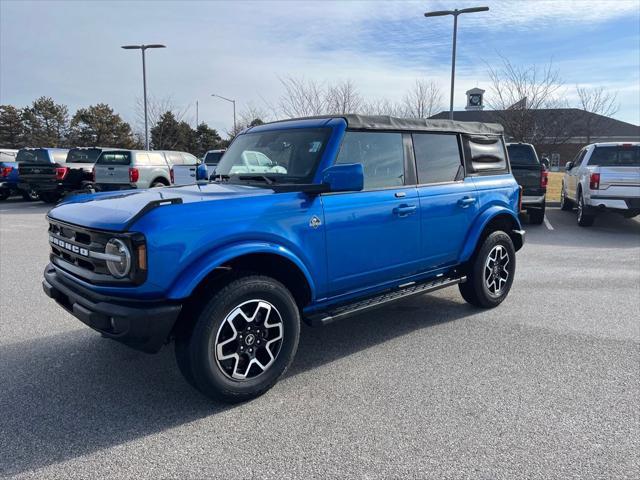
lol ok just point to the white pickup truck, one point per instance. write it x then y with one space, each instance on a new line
603 176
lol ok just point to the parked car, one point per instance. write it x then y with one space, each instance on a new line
183 167
8 173
211 160
256 162
366 211
532 176
603 176
36 165
73 174
126 169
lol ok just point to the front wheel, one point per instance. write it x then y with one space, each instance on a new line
243 340
491 272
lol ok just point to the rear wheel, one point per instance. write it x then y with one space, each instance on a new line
491 272
536 215
565 203
243 340
157 184
49 197
30 195
584 219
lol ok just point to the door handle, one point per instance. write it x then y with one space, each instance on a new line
466 201
405 210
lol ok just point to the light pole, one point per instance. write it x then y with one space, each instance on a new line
455 14
142 48
234 109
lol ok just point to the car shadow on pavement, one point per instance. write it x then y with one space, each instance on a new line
75 393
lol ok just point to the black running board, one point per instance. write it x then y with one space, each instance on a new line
317 319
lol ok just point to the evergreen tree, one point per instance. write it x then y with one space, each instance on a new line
45 123
11 127
98 125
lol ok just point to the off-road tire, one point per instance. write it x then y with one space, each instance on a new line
196 349
584 218
475 290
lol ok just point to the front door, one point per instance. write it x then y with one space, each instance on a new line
372 236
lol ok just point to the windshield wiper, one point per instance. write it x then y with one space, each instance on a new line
263 178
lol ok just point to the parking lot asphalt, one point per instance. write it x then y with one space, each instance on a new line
545 386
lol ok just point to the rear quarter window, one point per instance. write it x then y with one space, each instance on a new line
157 159
485 155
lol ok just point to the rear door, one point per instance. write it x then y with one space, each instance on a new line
372 236
448 200
112 167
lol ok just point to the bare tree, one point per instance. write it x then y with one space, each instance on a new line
598 101
383 106
156 107
343 97
423 100
517 92
250 116
302 97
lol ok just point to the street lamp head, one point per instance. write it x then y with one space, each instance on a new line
439 13
473 9
142 47
155 45
131 47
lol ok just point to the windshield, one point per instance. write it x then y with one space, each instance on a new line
114 158
83 155
522 155
616 156
213 158
287 156
33 156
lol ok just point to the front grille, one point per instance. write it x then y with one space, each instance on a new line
71 247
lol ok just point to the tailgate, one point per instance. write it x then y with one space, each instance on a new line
184 174
112 173
619 176
37 173
528 176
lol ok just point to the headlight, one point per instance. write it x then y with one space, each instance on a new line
118 269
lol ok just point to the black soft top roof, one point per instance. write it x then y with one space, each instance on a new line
385 122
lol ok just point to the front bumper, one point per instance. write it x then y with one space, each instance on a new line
140 324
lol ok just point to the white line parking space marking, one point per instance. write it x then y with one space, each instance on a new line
547 223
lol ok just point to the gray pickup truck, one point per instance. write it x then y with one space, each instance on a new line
532 176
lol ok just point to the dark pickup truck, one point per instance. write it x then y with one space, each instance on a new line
532 176
66 172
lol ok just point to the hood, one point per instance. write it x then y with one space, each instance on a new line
114 211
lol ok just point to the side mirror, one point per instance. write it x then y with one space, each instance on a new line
344 178
568 166
201 172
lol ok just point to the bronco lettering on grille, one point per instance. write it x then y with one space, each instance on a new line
68 246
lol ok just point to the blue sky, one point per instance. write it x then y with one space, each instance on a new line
70 50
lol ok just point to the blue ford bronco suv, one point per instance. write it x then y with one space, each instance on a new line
344 214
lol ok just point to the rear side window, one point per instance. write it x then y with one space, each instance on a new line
157 159
437 158
381 155
485 154
522 155
616 156
33 156
189 159
114 158
175 158
83 155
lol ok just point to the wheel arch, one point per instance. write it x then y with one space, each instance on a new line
492 219
260 258
160 179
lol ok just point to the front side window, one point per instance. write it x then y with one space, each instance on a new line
284 156
437 158
381 155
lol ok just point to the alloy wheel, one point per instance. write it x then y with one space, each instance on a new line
496 272
249 340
